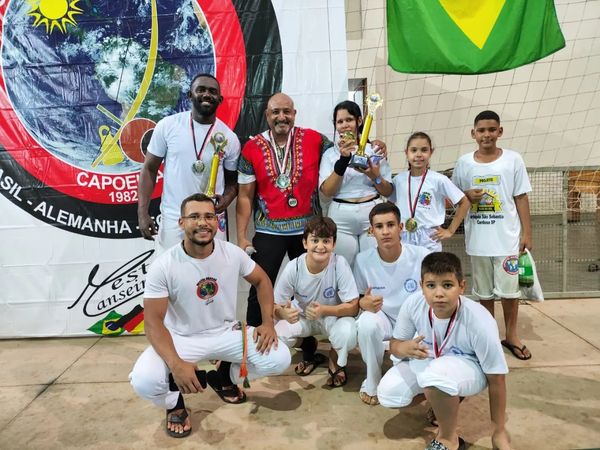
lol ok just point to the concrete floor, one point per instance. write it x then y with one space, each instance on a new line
74 393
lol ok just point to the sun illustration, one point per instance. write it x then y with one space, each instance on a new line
54 14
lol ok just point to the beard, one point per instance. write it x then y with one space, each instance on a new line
204 110
201 242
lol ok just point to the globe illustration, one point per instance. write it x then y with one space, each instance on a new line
89 80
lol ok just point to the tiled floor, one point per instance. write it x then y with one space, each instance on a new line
74 393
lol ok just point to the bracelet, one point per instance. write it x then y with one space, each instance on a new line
341 165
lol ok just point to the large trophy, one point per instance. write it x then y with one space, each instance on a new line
360 160
219 143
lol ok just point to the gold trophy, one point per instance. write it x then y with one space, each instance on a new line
360 160
219 142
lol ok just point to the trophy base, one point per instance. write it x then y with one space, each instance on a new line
359 162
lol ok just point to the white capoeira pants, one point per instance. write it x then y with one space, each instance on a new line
341 332
454 375
422 238
373 329
170 233
352 221
150 374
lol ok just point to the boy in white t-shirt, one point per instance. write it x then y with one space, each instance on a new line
498 225
449 348
385 276
325 301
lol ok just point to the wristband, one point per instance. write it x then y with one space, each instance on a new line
341 165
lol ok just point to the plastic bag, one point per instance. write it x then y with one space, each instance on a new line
533 293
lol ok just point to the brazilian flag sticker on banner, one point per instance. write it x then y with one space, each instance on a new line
468 37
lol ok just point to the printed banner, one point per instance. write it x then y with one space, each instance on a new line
82 85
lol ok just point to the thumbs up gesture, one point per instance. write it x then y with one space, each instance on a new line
370 302
289 313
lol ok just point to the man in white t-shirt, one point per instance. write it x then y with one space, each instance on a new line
325 301
385 276
189 314
449 348
496 183
186 143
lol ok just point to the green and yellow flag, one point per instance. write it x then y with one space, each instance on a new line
467 36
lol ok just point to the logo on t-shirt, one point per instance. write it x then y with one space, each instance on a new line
411 285
490 202
329 292
511 265
207 288
425 199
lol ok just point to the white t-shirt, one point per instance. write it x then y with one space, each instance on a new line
354 183
492 227
202 292
172 140
394 281
474 334
431 206
332 286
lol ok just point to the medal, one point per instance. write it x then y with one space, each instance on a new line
198 167
411 225
283 181
437 351
292 201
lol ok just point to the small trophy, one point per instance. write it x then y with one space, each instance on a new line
360 160
219 142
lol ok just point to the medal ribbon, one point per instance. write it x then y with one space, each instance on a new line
205 142
412 206
438 351
282 165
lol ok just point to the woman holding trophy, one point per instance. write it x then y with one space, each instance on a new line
355 176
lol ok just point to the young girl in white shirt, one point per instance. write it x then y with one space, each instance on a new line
421 193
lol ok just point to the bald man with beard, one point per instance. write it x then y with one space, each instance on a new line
278 174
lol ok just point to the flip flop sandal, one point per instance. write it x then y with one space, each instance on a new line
332 376
178 419
317 360
437 445
512 348
214 382
373 400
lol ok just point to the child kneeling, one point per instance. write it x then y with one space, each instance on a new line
450 348
325 302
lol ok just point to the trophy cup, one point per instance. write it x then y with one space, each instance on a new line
359 159
219 142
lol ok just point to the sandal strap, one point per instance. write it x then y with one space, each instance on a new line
178 418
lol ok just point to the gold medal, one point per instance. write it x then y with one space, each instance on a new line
411 225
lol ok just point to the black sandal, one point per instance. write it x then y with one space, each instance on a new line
214 381
317 360
178 418
334 374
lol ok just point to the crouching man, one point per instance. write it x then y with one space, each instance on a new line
189 314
